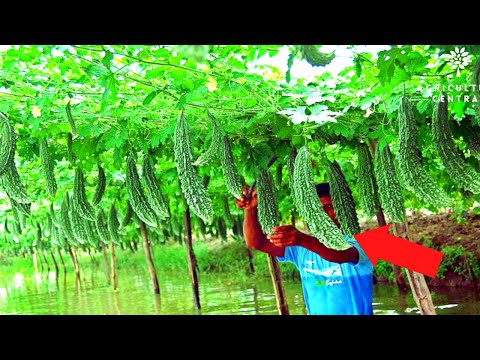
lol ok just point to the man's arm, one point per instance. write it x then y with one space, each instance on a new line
288 235
252 231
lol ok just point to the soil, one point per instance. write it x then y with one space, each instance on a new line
440 230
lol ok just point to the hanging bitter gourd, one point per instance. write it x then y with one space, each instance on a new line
412 173
10 181
79 201
101 185
17 226
113 224
24 209
367 184
65 219
268 213
342 200
7 143
389 189
78 226
230 173
136 195
128 215
310 207
195 193
70 155
92 236
314 57
53 216
102 228
215 145
452 158
154 193
47 166
71 120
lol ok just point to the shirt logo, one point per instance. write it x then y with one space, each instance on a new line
329 276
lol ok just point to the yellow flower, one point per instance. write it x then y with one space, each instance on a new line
211 84
36 112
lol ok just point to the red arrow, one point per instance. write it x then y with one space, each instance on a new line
379 244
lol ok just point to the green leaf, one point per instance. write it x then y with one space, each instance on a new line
155 73
423 105
457 107
95 70
181 102
109 88
107 59
386 64
148 99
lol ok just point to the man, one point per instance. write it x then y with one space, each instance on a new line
333 282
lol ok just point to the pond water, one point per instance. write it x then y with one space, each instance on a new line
219 294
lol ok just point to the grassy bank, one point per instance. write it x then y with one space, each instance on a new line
460 265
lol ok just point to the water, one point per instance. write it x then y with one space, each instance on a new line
219 294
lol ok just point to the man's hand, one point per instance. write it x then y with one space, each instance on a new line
286 235
247 202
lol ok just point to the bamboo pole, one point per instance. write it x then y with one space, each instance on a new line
148 256
282 305
192 262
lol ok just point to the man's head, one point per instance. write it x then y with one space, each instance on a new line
323 192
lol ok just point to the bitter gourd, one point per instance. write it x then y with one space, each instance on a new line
195 193
389 189
452 158
342 200
412 173
310 207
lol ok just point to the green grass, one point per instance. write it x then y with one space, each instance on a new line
230 257
227 257
459 261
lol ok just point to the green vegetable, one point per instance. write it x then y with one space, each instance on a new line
310 207
342 200
192 187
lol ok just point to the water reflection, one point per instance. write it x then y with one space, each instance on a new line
43 293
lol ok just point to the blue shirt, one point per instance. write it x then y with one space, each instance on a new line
330 288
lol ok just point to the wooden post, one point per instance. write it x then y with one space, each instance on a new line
192 262
46 261
75 262
62 261
105 262
148 256
39 258
113 265
420 291
282 305
54 262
